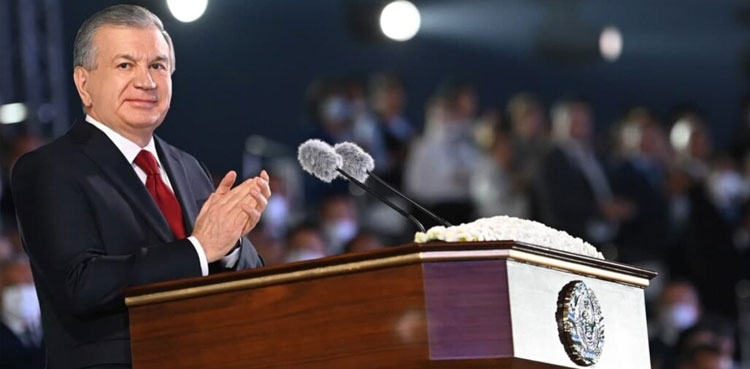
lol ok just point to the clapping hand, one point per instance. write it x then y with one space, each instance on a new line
230 213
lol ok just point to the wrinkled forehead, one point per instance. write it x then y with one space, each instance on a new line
145 42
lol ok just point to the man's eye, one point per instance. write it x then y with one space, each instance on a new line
158 66
123 65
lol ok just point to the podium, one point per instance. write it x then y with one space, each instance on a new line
436 305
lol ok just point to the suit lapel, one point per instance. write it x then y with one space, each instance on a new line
98 147
180 183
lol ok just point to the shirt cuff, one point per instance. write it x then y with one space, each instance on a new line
230 260
201 254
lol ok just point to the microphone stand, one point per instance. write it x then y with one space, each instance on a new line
383 199
433 216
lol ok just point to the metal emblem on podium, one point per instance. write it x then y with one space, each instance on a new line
580 323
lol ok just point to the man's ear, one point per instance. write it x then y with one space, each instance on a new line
81 78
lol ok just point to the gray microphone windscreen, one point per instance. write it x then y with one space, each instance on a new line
356 161
319 159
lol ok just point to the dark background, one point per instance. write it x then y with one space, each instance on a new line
243 67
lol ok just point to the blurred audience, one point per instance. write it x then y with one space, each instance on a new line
338 221
20 317
641 157
530 138
495 187
678 308
394 131
363 241
441 161
305 242
575 194
708 344
658 195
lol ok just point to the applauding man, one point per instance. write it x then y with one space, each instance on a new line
109 205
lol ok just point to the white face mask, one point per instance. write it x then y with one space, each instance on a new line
339 233
727 187
681 316
20 306
276 213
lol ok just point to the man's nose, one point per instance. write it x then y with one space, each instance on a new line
144 80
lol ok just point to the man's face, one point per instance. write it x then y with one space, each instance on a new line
130 88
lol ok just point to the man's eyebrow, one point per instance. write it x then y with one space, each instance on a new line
161 58
125 56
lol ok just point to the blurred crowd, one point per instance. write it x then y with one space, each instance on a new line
649 190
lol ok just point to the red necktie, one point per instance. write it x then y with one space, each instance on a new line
162 195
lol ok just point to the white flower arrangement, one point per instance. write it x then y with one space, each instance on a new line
505 228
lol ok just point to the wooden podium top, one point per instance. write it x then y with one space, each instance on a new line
390 257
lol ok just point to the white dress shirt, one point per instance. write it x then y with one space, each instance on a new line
130 150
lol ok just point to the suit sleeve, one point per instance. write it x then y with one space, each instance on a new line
61 236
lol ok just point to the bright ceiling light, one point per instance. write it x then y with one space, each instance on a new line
12 113
400 20
610 43
187 10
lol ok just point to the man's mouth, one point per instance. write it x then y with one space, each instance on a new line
142 103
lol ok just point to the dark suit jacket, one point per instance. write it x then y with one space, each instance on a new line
91 228
566 199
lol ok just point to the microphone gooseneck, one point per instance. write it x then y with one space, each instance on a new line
323 162
420 207
359 164
383 199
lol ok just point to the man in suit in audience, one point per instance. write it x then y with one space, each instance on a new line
109 205
574 191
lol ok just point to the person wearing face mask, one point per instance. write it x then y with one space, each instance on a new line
338 222
438 168
20 319
678 309
304 242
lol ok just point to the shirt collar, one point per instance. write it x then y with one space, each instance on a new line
128 148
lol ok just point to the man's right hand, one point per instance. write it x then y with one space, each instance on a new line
221 220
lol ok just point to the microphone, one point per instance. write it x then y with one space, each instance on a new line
360 164
321 160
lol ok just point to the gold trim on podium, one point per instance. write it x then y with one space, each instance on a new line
413 258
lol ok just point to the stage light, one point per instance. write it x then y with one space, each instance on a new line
400 20
610 43
12 113
187 10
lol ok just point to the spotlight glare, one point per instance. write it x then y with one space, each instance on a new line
610 43
187 10
12 113
400 20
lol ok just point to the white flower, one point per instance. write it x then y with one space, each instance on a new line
500 228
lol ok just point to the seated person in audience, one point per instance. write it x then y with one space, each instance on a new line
305 242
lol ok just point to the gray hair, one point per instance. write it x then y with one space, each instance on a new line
84 51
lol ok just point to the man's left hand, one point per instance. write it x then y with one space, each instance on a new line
259 196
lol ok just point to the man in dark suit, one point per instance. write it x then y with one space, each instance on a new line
109 205
574 192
